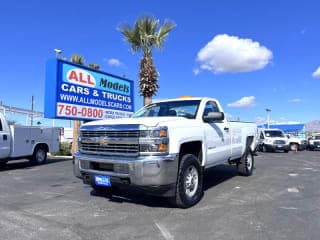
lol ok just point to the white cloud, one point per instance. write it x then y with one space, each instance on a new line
316 74
114 62
260 120
231 54
228 116
196 71
295 100
244 102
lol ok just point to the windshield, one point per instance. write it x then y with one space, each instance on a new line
183 108
274 134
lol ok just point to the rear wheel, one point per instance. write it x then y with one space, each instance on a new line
246 164
294 146
189 188
39 155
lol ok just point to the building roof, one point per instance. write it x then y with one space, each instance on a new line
286 127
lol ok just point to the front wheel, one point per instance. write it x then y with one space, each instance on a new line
39 155
246 164
264 148
189 188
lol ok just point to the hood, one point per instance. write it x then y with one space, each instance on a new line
147 121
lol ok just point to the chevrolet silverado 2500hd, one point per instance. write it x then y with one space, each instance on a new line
26 142
164 148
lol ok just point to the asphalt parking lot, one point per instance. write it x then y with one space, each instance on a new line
281 200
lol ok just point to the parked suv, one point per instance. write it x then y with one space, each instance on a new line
272 140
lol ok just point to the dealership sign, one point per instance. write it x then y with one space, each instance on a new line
78 92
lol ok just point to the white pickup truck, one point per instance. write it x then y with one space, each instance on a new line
297 143
34 143
164 149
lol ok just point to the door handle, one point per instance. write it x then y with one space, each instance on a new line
5 137
226 129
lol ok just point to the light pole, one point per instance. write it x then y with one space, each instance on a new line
268 116
57 52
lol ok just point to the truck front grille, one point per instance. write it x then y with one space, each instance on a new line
133 134
279 142
116 143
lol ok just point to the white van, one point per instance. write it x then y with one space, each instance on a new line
272 140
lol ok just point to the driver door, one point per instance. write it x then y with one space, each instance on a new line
217 136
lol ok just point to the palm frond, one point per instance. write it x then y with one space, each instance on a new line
164 32
77 58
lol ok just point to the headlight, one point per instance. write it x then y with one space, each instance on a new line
269 140
154 141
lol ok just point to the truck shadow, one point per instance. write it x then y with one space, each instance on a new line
212 177
25 164
217 175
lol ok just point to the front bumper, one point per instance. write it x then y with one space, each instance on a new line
274 147
156 175
314 146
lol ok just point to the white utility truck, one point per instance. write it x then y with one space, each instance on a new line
164 149
34 143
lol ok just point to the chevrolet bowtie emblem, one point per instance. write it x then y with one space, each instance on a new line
103 141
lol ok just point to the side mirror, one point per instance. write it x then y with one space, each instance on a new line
213 116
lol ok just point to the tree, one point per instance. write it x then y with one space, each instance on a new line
143 37
76 58
94 66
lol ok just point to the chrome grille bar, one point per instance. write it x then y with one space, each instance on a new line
109 142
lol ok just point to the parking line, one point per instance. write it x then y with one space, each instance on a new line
165 233
293 190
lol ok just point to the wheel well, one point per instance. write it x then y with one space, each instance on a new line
249 141
42 145
194 148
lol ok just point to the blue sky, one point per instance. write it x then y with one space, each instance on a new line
251 55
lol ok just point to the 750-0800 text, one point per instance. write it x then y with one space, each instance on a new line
76 111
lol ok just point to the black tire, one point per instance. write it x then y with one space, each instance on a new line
246 164
189 187
264 148
286 151
294 147
39 155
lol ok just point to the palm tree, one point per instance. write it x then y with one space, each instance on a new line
76 58
94 66
143 36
